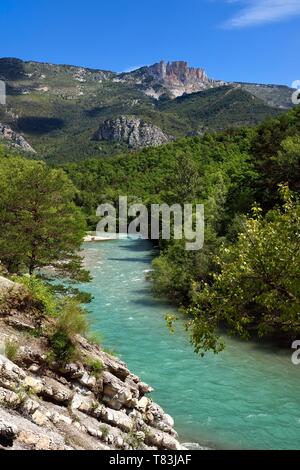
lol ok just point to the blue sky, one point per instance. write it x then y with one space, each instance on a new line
242 40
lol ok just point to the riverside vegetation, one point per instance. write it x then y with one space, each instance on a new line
246 278
247 275
58 389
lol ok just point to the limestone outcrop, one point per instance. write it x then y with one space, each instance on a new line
44 405
9 136
171 78
132 131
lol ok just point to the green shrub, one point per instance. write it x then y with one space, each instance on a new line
11 349
95 337
63 349
104 430
72 318
134 439
96 366
110 352
71 321
41 295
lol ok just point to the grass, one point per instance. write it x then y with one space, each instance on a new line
96 367
41 295
70 322
135 441
95 337
11 349
110 352
104 430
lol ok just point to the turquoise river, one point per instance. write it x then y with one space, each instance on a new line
246 397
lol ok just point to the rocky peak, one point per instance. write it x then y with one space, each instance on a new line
171 78
132 131
177 72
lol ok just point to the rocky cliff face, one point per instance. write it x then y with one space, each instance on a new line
172 78
178 78
51 407
14 139
132 131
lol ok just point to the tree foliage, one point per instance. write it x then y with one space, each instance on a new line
257 286
40 224
246 275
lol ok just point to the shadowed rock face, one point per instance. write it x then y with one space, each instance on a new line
13 138
50 406
132 131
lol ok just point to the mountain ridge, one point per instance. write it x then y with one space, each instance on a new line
176 68
59 108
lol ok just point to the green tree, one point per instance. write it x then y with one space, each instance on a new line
275 154
40 224
258 283
287 162
185 180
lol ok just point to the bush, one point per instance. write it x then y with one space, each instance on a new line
104 430
13 298
96 367
41 295
95 337
11 349
70 322
257 287
110 352
62 346
72 318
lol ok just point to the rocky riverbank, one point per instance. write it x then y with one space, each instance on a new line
44 405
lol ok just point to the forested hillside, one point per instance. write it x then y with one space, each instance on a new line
247 275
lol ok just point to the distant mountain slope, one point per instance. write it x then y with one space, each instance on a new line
219 108
278 96
175 79
58 108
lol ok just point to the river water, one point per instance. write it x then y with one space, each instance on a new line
247 397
